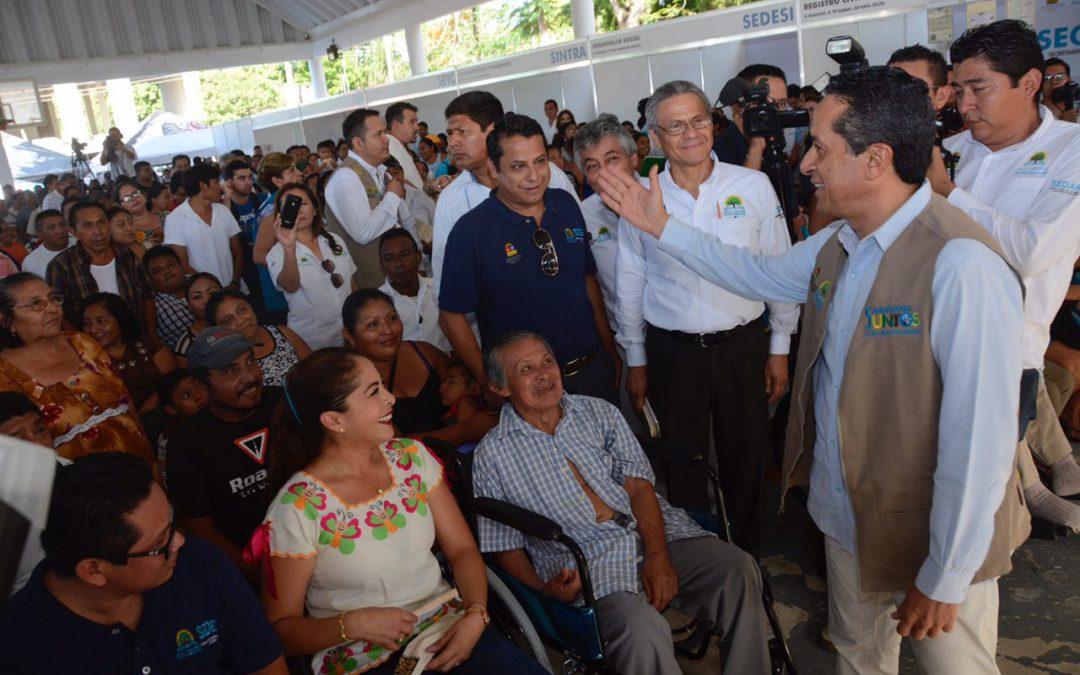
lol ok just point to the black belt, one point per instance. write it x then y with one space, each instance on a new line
707 340
575 366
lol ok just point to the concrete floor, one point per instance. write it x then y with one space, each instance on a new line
1039 618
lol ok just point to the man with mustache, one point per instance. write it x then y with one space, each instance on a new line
218 463
1018 177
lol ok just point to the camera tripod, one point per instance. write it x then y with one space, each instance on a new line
80 165
775 165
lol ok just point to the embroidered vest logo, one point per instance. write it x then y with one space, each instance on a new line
254 445
821 288
892 320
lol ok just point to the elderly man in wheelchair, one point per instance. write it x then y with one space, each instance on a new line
574 460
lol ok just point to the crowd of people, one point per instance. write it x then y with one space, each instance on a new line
250 371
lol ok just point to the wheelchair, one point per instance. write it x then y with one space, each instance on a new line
573 630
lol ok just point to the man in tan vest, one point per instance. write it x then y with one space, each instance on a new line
361 202
904 419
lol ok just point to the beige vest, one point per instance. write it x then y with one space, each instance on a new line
365 256
889 406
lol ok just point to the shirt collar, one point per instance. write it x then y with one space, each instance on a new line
511 422
892 228
669 182
58 614
364 163
506 213
1047 120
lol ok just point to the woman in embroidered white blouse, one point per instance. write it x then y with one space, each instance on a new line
349 535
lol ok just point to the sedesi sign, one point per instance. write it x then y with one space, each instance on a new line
1057 23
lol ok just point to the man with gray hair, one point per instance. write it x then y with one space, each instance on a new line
574 460
604 142
701 353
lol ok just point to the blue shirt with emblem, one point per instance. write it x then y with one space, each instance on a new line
204 620
492 267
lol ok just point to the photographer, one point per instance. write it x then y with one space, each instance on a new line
918 523
1018 176
1056 77
118 155
733 146
683 335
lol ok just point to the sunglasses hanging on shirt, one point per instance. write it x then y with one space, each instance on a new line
335 278
549 261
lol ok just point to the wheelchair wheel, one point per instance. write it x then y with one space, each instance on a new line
510 619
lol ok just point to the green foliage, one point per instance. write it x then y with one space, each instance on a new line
366 65
147 97
233 93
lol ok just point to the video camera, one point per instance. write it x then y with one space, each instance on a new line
76 146
762 119
1069 94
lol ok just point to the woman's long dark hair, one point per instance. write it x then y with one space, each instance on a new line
317 221
8 338
318 384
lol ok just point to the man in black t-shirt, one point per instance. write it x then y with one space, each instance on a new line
218 463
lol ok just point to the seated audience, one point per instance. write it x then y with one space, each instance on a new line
122 591
123 231
547 449
276 348
413 374
198 289
20 418
54 238
10 244
218 462
351 534
174 316
68 376
95 264
313 268
148 224
181 395
138 359
413 295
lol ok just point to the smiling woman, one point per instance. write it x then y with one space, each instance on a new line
86 406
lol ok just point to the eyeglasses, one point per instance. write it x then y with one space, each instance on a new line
679 128
1056 77
122 558
127 199
40 304
549 262
335 278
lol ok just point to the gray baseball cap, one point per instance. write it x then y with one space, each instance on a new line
216 347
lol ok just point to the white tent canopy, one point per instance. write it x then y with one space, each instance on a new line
30 162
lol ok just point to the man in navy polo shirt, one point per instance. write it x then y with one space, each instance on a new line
121 592
520 261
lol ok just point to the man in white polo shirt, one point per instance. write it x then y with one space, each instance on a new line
203 231
55 239
469 119
401 122
1019 177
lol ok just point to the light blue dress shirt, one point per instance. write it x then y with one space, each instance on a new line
976 341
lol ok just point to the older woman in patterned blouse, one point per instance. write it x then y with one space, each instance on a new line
86 406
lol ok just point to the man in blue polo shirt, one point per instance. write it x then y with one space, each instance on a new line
520 261
121 592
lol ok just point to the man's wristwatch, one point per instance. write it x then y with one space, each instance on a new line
477 608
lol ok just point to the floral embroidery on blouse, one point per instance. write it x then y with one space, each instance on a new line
405 453
384 519
306 497
339 529
416 495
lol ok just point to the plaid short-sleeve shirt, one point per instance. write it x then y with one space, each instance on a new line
69 274
520 464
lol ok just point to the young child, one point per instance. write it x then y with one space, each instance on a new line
183 396
460 392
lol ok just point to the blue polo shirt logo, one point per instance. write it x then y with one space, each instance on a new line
574 234
190 643
512 255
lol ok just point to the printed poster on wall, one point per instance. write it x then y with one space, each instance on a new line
939 22
981 13
1058 25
